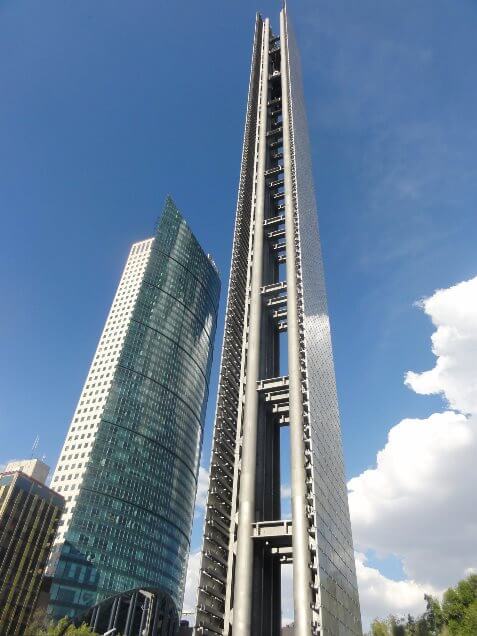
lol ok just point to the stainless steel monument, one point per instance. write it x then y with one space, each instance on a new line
277 370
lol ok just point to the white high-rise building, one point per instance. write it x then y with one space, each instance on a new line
87 416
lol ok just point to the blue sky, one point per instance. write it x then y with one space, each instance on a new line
108 106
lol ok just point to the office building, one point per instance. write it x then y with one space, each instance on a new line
277 371
29 516
129 465
31 467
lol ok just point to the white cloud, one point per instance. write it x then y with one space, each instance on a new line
454 312
285 500
381 596
418 502
193 566
192 583
287 594
202 489
285 492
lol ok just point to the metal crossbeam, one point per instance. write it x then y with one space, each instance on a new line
277 533
274 220
275 170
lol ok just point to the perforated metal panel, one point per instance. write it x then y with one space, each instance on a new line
216 563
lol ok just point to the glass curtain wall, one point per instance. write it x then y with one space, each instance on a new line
132 522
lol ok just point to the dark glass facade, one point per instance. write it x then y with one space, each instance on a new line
146 612
29 515
132 520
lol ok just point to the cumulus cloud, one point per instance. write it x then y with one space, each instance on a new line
454 313
417 503
381 596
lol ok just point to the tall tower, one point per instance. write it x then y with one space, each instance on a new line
268 381
129 465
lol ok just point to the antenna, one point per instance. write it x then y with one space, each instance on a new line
35 446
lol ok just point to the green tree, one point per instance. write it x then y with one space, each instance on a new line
37 624
456 616
40 626
59 628
421 627
379 628
397 627
82 630
457 606
433 615
453 610
469 624
410 626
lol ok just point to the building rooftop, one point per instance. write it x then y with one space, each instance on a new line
31 467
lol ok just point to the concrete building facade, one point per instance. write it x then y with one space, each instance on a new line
32 467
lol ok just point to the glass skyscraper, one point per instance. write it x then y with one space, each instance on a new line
277 380
128 469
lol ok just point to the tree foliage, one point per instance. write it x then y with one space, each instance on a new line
40 625
379 628
455 616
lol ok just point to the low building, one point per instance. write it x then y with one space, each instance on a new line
185 629
140 612
29 516
32 467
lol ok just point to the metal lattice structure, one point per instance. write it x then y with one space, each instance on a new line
276 286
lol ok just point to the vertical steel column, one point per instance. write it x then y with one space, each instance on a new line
130 616
93 617
301 552
96 619
112 615
145 609
244 563
156 615
118 609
